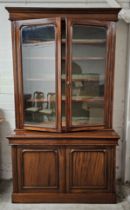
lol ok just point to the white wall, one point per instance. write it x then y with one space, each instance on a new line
7 94
120 88
126 142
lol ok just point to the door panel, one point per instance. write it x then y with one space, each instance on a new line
40 169
88 169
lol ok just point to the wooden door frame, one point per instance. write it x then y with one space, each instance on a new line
18 81
109 72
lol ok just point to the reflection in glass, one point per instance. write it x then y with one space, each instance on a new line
63 88
88 72
63 72
38 60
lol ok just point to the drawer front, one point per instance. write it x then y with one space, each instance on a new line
40 169
90 169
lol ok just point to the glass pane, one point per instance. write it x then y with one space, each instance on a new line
88 72
38 62
63 72
63 94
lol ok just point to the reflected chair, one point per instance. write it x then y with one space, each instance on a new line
37 104
49 111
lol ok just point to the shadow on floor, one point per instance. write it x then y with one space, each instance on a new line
123 191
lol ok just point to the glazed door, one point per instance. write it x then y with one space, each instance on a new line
40 70
88 74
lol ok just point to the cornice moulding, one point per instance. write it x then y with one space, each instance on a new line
125 15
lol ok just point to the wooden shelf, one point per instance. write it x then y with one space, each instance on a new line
39 58
85 99
85 77
75 77
75 121
86 41
41 79
64 58
74 98
74 41
85 58
37 43
46 124
89 121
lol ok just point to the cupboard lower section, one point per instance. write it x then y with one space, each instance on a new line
61 172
